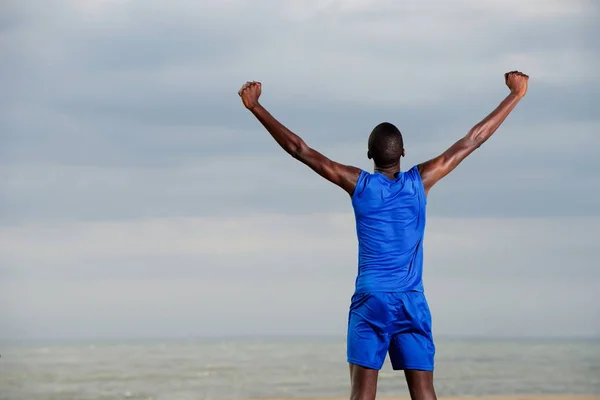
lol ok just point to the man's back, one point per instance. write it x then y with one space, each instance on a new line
390 224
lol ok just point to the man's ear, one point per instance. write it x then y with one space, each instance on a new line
369 155
403 153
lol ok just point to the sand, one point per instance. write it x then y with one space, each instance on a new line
524 397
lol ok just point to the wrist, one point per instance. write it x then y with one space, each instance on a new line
253 107
517 93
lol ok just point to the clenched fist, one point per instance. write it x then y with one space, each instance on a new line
250 92
516 82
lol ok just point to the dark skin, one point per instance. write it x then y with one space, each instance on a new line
364 380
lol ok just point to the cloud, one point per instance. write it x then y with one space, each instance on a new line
517 173
215 275
128 166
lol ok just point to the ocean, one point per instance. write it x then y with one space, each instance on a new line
237 369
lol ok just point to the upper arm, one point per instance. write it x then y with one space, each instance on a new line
435 169
344 176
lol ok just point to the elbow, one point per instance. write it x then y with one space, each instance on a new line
477 143
476 137
296 149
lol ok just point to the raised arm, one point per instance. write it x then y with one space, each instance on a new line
342 175
434 170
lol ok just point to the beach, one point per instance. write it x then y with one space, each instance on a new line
514 397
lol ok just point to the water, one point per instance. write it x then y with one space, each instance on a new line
212 369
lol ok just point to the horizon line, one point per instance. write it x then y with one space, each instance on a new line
286 336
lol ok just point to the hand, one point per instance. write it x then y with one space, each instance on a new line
516 82
250 92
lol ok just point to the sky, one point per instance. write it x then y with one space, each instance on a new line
139 198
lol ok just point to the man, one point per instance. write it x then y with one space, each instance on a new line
389 312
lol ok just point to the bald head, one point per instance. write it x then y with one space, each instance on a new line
385 145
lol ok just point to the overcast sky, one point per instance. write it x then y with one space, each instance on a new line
140 199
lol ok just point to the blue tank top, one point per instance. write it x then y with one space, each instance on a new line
390 225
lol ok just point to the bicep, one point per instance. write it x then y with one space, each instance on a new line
437 168
344 176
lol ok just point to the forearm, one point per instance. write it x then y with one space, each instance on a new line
486 127
287 139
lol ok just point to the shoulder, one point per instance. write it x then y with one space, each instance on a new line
414 173
364 178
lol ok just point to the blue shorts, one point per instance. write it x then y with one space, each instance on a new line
394 323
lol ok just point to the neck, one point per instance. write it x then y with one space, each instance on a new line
391 171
